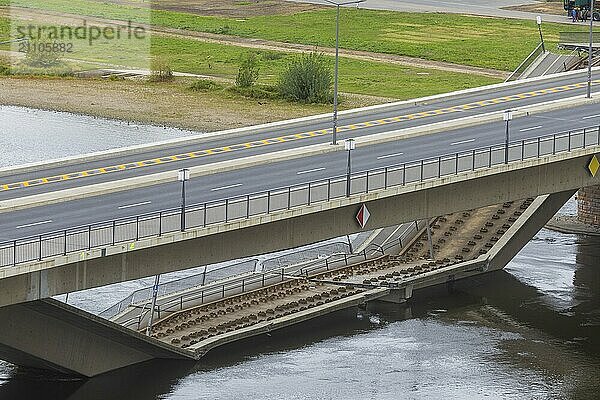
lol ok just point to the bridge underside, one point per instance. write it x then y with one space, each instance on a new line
51 335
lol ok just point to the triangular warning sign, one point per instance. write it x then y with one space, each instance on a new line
363 216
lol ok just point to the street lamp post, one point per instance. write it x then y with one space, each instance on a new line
508 116
337 62
349 145
539 23
591 49
183 176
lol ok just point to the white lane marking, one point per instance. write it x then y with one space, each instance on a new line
34 224
310 171
135 205
389 156
226 187
533 128
591 116
462 142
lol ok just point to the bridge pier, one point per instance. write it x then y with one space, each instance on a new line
588 206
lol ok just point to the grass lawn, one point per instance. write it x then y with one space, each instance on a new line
360 77
485 42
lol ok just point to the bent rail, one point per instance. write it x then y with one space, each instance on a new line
124 230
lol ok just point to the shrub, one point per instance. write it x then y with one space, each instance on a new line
248 71
307 79
39 56
161 71
5 68
259 92
204 85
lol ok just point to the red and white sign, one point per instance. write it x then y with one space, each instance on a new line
363 216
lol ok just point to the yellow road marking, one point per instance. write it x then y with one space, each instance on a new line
287 138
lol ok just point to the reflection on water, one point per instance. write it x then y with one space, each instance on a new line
531 331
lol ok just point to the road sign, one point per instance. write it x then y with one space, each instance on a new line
363 216
594 166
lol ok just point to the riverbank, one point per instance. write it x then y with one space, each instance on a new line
169 104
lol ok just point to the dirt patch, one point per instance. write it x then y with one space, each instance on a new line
227 8
153 103
555 8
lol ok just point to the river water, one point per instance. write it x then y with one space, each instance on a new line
531 331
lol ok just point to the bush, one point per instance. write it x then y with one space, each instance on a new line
307 79
5 68
161 71
248 72
259 92
204 85
37 56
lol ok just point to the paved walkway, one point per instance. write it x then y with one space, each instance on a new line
476 7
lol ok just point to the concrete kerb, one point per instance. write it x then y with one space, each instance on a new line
232 133
199 232
99 189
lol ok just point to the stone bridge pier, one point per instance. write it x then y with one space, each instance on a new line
588 206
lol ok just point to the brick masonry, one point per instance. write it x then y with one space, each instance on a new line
588 205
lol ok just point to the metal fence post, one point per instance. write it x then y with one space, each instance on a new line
404 174
329 189
490 158
569 141
309 186
40 247
553 144
268 202
137 228
65 248
248 206
385 178
114 228
422 167
584 138
226 210
473 161
522 150
89 237
440 167
160 223
14 253
456 164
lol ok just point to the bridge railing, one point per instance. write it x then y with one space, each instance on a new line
130 229
529 60
205 277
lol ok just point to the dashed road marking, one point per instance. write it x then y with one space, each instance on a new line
283 139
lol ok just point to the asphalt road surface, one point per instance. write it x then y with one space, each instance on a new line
276 175
476 7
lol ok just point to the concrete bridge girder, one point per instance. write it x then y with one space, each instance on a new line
300 226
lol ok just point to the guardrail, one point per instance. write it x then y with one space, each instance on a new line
178 285
124 230
539 50
265 278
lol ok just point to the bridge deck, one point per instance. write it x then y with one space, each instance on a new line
457 238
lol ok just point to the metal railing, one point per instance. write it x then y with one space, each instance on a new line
203 278
258 280
125 230
539 50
